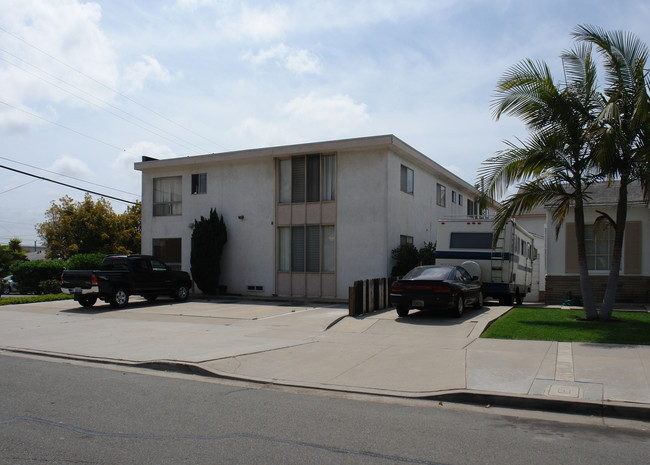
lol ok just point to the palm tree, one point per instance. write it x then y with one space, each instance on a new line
554 165
624 129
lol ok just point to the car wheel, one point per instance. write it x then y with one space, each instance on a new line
479 301
460 306
402 310
182 292
151 297
119 298
87 301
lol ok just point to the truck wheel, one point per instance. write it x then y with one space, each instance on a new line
119 298
506 300
182 292
87 301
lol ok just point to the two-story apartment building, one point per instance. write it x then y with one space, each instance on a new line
303 220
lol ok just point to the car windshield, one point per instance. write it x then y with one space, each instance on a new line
434 273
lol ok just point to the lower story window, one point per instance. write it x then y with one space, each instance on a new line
169 251
405 240
598 244
310 248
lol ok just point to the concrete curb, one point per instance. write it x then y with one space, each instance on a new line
617 410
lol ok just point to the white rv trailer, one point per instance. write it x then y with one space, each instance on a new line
506 268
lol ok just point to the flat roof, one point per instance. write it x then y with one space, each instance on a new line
354 144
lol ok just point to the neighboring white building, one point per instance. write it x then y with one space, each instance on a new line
534 222
303 220
563 280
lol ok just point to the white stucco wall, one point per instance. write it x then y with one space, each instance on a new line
234 188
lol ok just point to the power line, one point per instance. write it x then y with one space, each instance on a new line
109 88
68 185
66 176
183 142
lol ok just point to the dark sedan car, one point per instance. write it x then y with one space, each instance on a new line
436 287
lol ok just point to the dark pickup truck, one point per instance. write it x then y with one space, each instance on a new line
123 275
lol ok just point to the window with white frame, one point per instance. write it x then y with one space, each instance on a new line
460 199
441 194
453 196
472 208
167 196
199 183
599 243
405 240
307 178
169 251
310 249
406 179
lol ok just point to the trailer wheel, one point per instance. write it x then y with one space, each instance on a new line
519 299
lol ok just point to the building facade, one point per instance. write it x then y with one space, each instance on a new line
563 280
303 220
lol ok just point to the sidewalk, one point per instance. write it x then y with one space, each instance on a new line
321 347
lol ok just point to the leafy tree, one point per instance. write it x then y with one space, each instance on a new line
622 137
89 227
554 165
9 254
208 239
427 254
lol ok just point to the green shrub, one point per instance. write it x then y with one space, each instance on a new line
407 258
49 286
85 261
30 274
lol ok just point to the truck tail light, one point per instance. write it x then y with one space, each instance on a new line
93 280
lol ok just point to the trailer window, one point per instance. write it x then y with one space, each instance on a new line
470 240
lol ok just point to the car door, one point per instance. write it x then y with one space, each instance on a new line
142 275
163 278
470 287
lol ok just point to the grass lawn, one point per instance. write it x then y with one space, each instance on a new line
552 324
7 300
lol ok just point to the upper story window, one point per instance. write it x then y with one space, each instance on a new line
406 179
460 199
441 195
453 196
307 178
167 196
472 208
199 183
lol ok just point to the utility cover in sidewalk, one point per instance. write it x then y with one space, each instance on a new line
559 390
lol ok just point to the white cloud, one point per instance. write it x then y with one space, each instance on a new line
337 110
294 59
71 166
255 23
147 69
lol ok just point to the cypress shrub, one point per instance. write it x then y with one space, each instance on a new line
208 238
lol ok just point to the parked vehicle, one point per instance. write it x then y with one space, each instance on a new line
9 285
121 276
506 268
436 287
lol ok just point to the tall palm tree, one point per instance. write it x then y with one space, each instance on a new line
554 165
624 129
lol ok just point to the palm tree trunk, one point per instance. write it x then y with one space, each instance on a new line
617 253
591 313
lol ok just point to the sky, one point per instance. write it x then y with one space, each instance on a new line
89 87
